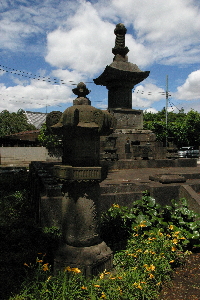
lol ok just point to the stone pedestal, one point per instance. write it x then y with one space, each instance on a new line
91 260
81 245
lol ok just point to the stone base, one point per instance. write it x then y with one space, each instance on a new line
90 260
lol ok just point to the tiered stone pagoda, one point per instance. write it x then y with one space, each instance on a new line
120 77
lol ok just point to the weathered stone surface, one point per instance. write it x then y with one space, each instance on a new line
80 126
65 172
80 213
167 178
120 76
80 174
90 260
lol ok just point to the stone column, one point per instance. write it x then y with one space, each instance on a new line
81 245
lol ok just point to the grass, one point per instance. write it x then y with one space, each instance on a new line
148 242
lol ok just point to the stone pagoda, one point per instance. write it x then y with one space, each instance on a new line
129 139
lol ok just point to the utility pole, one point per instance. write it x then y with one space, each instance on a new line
166 107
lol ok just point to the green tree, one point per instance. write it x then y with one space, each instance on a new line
13 122
183 128
51 141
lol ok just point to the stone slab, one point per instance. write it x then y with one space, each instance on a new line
167 178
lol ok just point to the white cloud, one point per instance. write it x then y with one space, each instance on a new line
146 95
35 95
85 45
190 90
166 28
151 110
22 24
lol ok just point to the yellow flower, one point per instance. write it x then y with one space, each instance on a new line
151 276
171 227
75 270
103 274
139 250
120 277
67 269
45 267
142 224
173 248
175 241
25 264
49 278
137 285
171 261
84 287
132 254
106 272
151 239
176 233
103 295
39 260
150 268
115 205
97 285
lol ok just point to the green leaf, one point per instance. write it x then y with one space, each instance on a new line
151 201
193 225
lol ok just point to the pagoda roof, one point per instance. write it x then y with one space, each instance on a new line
128 72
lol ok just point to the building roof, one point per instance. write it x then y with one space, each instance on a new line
36 118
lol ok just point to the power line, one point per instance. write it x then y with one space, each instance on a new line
30 75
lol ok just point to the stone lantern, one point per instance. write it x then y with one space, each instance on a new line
81 126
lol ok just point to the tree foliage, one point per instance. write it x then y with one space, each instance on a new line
183 127
51 141
14 122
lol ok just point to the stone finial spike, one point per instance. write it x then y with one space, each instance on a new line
120 48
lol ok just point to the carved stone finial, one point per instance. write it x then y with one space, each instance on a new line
81 91
120 48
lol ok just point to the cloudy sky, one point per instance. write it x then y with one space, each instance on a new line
48 46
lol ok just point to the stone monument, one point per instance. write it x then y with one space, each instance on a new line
120 77
80 126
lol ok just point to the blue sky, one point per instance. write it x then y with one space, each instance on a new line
48 46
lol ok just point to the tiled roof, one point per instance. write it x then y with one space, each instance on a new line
36 118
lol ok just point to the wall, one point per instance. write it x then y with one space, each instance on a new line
24 155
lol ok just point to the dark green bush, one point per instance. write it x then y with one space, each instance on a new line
118 223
